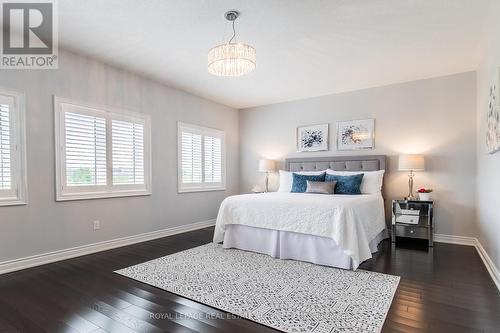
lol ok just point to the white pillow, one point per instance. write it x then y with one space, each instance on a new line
371 183
286 179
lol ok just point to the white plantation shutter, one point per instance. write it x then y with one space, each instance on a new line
5 148
101 153
85 149
13 186
213 159
128 152
191 164
201 158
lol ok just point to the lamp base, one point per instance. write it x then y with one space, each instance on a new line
410 195
267 182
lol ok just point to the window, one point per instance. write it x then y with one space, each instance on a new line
101 152
13 187
128 152
201 158
85 149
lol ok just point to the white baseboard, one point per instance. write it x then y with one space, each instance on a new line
46 258
450 239
472 241
490 265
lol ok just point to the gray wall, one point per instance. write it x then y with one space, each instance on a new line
45 225
435 117
488 197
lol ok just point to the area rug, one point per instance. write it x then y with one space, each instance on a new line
288 295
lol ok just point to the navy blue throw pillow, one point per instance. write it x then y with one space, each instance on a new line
299 184
346 184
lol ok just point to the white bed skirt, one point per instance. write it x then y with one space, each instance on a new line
292 245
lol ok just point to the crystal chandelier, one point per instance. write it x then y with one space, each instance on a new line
231 59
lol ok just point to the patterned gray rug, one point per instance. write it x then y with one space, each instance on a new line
291 296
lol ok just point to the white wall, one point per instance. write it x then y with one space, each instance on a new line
435 117
488 195
45 225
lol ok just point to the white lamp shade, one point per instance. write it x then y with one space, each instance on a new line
411 163
267 165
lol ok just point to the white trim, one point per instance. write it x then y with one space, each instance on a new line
63 193
490 265
46 258
473 241
202 189
20 175
450 239
102 195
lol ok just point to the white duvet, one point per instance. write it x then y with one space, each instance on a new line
352 221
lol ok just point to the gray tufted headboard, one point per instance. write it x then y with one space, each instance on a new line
338 163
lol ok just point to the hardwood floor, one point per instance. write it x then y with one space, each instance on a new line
446 289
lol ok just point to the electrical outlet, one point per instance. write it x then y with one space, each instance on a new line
97 225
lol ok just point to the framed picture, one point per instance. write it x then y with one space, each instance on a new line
493 118
356 134
312 138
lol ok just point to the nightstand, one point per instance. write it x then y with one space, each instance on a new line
412 219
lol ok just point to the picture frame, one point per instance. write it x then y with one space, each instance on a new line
493 117
312 138
356 134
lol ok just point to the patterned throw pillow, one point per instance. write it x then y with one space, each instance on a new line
346 184
299 184
320 187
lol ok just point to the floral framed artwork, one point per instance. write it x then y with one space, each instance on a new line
356 134
493 118
312 138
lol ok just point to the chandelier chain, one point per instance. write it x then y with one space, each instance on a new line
234 34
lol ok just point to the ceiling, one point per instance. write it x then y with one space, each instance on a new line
305 48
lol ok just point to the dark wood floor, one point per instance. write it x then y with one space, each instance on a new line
444 290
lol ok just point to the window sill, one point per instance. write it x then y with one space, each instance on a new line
90 196
206 189
14 202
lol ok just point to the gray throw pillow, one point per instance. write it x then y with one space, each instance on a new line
321 187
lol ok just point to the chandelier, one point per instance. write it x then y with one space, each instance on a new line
231 59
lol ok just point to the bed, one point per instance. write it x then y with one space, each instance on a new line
333 230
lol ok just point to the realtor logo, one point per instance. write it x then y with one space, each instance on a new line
29 35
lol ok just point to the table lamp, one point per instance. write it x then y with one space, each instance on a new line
411 163
267 166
